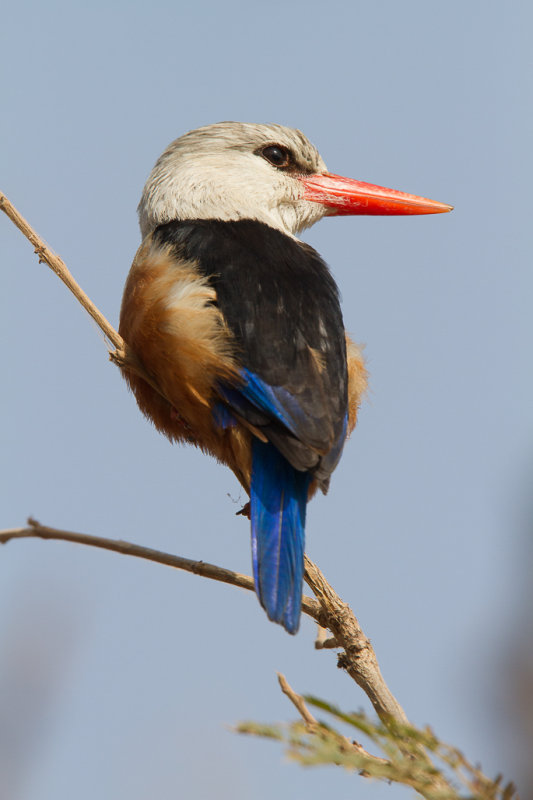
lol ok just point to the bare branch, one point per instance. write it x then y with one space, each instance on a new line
122 355
359 658
215 573
298 702
59 267
323 641
314 727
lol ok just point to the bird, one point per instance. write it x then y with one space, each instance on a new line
238 327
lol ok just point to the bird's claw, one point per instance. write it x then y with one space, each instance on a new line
245 511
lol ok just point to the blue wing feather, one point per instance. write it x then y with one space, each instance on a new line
222 416
276 402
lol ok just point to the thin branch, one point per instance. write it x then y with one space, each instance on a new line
324 641
358 658
314 727
298 702
59 267
215 573
123 356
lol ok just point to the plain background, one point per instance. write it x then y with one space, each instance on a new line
120 678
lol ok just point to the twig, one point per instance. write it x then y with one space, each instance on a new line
59 267
297 701
323 641
314 727
36 530
122 355
358 659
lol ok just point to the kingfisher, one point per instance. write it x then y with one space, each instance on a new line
238 326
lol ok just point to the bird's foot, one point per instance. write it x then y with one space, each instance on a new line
245 511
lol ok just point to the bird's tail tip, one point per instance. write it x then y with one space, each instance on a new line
278 500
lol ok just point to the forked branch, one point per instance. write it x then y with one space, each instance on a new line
358 657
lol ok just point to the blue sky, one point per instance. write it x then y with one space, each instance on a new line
123 678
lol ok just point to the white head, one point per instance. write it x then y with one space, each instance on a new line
241 170
223 171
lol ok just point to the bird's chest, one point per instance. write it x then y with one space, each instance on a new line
170 318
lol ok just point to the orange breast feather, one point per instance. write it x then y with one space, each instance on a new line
357 381
169 319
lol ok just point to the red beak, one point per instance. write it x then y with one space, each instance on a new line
345 196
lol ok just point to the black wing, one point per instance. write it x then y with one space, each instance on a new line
281 303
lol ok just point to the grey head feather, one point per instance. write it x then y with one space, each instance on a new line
217 172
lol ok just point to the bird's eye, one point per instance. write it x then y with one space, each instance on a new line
276 155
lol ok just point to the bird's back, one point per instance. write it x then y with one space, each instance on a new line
281 305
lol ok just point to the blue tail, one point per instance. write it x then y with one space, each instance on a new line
278 499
